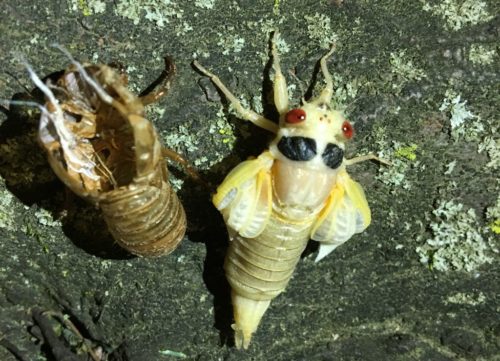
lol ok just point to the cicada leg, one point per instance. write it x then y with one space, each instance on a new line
280 89
246 114
161 86
365 157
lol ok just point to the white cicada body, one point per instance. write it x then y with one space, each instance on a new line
297 190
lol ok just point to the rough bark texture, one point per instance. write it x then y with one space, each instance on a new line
420 81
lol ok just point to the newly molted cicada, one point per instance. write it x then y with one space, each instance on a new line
296 190
100 144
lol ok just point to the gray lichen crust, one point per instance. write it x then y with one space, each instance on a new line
419 81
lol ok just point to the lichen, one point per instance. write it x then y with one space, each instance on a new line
404 69
21 164
459 116
456 243
482 55
7 208
160 12
344 93
230 41
491 146
463 298
204 4
394 175
45 218
459 14
87 7
319 30
181 140
220 127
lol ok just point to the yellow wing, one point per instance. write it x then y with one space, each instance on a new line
245 196
346 212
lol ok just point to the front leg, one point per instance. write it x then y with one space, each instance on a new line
280 88
245 113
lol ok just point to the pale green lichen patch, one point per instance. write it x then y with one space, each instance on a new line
220 134
204 4
458 14
344 93
181 140
45 218
160 12
222 137
222 129
8 208
462 298
456 243
404 69
491 146
461 117
394 175
87 7
230 41
482 55
319 30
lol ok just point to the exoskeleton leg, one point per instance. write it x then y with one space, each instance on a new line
155 91
245 113
280 88
188 168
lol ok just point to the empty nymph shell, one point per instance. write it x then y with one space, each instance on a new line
100 144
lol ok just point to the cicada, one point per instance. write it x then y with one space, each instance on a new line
100 144
298 189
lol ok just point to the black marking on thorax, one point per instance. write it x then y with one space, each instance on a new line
304 149
297 148
332 156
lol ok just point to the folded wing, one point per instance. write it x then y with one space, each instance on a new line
346 212
245 196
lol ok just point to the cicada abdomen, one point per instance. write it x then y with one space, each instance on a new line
102 147
296 190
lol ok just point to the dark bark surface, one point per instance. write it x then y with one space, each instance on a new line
418 79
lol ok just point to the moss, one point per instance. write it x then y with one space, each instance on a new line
495 226
457 243
493 216
482 55
459 14
407 152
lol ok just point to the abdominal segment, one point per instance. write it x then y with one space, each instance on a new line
260 268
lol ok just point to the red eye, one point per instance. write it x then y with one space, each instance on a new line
347 129
295 116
